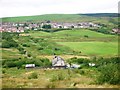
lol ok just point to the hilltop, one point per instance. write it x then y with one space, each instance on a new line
97 17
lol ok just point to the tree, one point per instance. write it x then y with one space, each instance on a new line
46 26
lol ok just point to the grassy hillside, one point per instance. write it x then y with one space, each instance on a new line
63 18
67 42
53 17
93 48
73 35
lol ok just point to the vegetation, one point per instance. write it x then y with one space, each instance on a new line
43 62
109 71
33 75
78 46
109 74
7 40
105 74
93 48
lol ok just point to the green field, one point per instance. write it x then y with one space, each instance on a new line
94 48
67 42
73 35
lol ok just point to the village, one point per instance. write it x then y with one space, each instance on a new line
21 27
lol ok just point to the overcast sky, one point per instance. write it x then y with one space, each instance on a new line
9 8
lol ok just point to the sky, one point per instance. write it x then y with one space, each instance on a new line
11 8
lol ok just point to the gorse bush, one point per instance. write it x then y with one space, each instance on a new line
33 75
110 73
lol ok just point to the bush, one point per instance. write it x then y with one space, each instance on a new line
29 55
33 75
40 48
57 77
3 71
46 26
25 45
50 85
109 74
82 72
10 64
9 44
21 50
86 36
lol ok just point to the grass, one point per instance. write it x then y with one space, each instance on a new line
68 42
93 48
19 78
10 53
75 35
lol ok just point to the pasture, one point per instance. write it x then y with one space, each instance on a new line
94 48
76 42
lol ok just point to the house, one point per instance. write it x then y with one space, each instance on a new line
30 66
58 62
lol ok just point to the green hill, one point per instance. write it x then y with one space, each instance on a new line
100 18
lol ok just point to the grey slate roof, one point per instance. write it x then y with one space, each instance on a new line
58 61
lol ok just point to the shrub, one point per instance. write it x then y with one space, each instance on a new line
25 45
86 36
81 72
21 50
40 48
10 64
33 75
57 77
3 71
9 44
29 55
109 74
50 85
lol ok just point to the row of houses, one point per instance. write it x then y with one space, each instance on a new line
21 27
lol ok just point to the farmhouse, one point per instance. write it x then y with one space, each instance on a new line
58 62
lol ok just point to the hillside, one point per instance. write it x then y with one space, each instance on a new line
67 42
102 14
100 18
